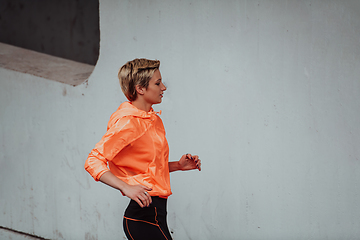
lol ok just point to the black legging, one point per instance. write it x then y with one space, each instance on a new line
146 223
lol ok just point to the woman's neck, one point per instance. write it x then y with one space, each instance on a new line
142 105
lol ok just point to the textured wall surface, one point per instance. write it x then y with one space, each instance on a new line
266 92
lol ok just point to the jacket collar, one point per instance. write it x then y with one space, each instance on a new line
127 109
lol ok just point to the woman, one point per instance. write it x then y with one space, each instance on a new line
136 151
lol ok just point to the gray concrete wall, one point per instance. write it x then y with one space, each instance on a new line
266 92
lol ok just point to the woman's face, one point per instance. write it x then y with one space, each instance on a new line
154 92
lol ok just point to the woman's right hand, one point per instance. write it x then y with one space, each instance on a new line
138 193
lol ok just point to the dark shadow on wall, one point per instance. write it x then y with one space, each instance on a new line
63 28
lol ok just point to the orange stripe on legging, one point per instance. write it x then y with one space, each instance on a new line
128 229
142 221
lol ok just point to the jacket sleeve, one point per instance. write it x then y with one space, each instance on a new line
96 164
115 139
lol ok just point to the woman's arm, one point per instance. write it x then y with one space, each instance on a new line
186 162
137 193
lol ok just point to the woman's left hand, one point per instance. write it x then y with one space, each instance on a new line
189 162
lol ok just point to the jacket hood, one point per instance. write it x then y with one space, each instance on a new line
127 109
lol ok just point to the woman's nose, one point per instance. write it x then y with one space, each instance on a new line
163 87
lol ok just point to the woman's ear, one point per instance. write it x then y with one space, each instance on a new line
139 89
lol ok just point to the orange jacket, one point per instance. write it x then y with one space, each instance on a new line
136 150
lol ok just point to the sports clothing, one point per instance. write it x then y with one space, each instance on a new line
136 150
148 223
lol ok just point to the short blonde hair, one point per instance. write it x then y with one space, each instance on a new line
136 72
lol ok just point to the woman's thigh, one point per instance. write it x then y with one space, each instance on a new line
139 230
148 222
